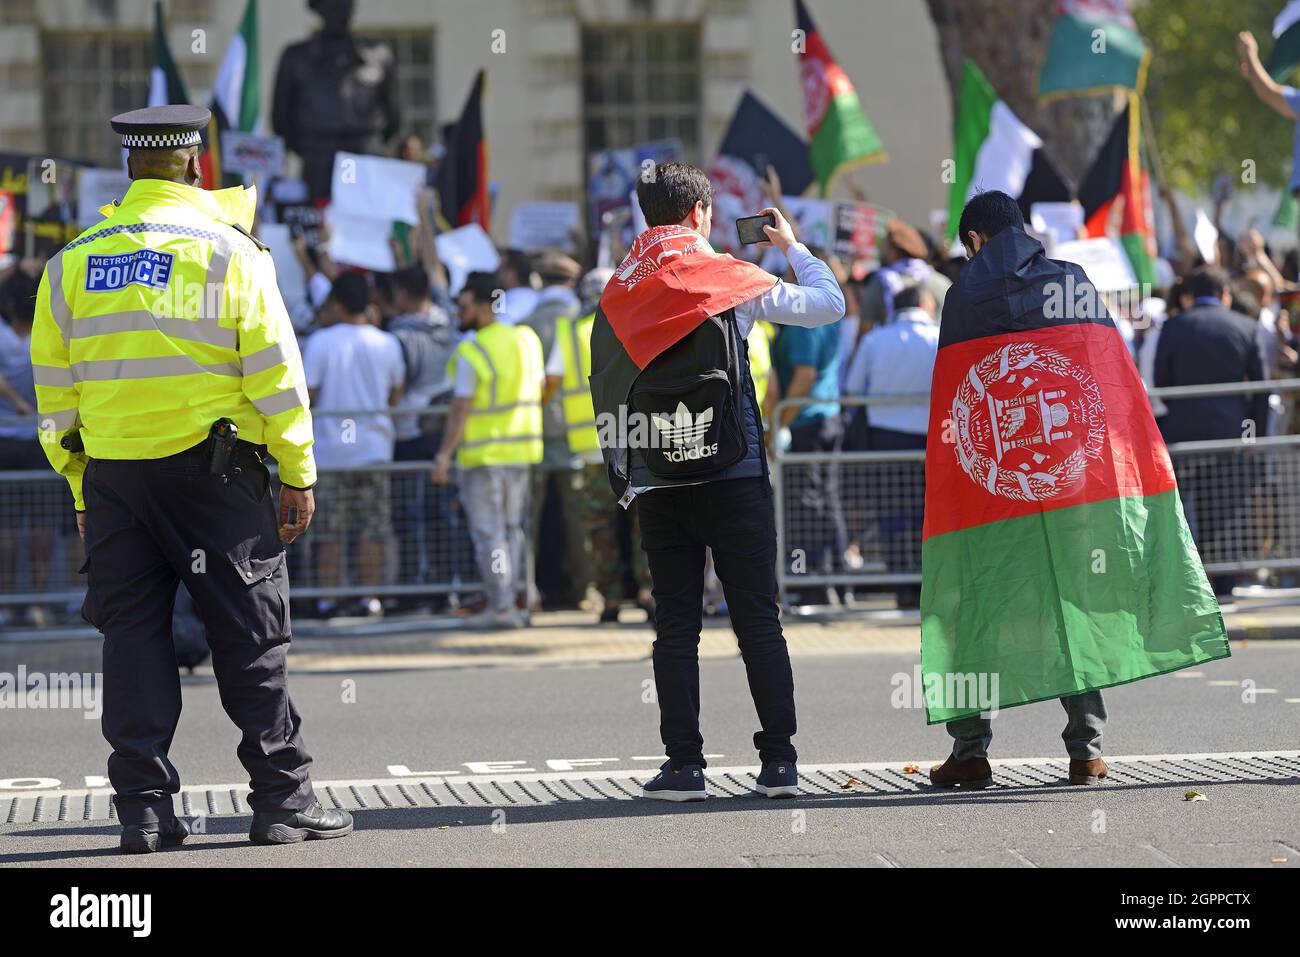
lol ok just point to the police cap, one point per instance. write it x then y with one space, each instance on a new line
162 127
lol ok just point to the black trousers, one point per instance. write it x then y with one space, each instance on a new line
149 525
736 519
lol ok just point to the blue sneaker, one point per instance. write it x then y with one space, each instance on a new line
779 779
669 785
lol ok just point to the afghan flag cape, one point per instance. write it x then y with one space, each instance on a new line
669 283
1055 555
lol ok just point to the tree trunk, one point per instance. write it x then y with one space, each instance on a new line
1008 40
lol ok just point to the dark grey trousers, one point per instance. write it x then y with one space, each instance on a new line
1085 721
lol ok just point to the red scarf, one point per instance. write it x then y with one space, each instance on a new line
670 282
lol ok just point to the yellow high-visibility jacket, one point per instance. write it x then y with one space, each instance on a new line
760 358
157 322
574 337
505 417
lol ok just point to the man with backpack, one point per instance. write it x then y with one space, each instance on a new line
679 427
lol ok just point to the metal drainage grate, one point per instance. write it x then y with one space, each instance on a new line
556 788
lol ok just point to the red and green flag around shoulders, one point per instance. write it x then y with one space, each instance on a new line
840 135
1055 555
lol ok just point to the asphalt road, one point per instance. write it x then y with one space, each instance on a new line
511 720
358 725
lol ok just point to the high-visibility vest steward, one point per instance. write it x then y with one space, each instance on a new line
505 419
574 337
160 320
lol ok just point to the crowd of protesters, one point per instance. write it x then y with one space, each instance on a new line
379 355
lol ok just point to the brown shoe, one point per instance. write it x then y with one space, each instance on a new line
973 773
1088 772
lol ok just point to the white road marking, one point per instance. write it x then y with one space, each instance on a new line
402 771
576 764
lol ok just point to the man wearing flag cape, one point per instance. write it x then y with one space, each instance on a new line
1056 560
667 345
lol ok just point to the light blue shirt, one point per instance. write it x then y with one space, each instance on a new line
815 301
16 367
896 359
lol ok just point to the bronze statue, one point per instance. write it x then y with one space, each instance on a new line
334 91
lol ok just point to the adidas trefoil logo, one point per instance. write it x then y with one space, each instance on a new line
686 431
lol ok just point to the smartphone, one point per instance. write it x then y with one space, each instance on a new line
750 228
293 514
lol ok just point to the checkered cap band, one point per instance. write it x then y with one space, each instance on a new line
161 140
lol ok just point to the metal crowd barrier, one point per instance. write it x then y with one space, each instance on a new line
386 531
851 520
402 536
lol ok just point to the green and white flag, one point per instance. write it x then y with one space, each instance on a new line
993 149
165 84
237 93
235 97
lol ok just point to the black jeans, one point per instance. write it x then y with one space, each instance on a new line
734 518
149 525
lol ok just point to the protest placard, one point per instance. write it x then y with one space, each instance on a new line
97 188
466 250
250 153
376 187
1103 259
541 225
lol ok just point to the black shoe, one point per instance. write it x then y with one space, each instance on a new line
291 827
147 838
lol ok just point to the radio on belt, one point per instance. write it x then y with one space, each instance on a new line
222 441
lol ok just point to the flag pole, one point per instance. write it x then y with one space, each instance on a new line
1181 236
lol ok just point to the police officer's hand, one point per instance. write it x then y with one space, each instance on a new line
441 472
305 502
81 525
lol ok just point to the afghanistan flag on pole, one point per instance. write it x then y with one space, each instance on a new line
1285 54
165 84
992 149
1055 555
462 177
1095 46
1118 176
842 137
235 98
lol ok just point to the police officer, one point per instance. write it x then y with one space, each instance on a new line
165 369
